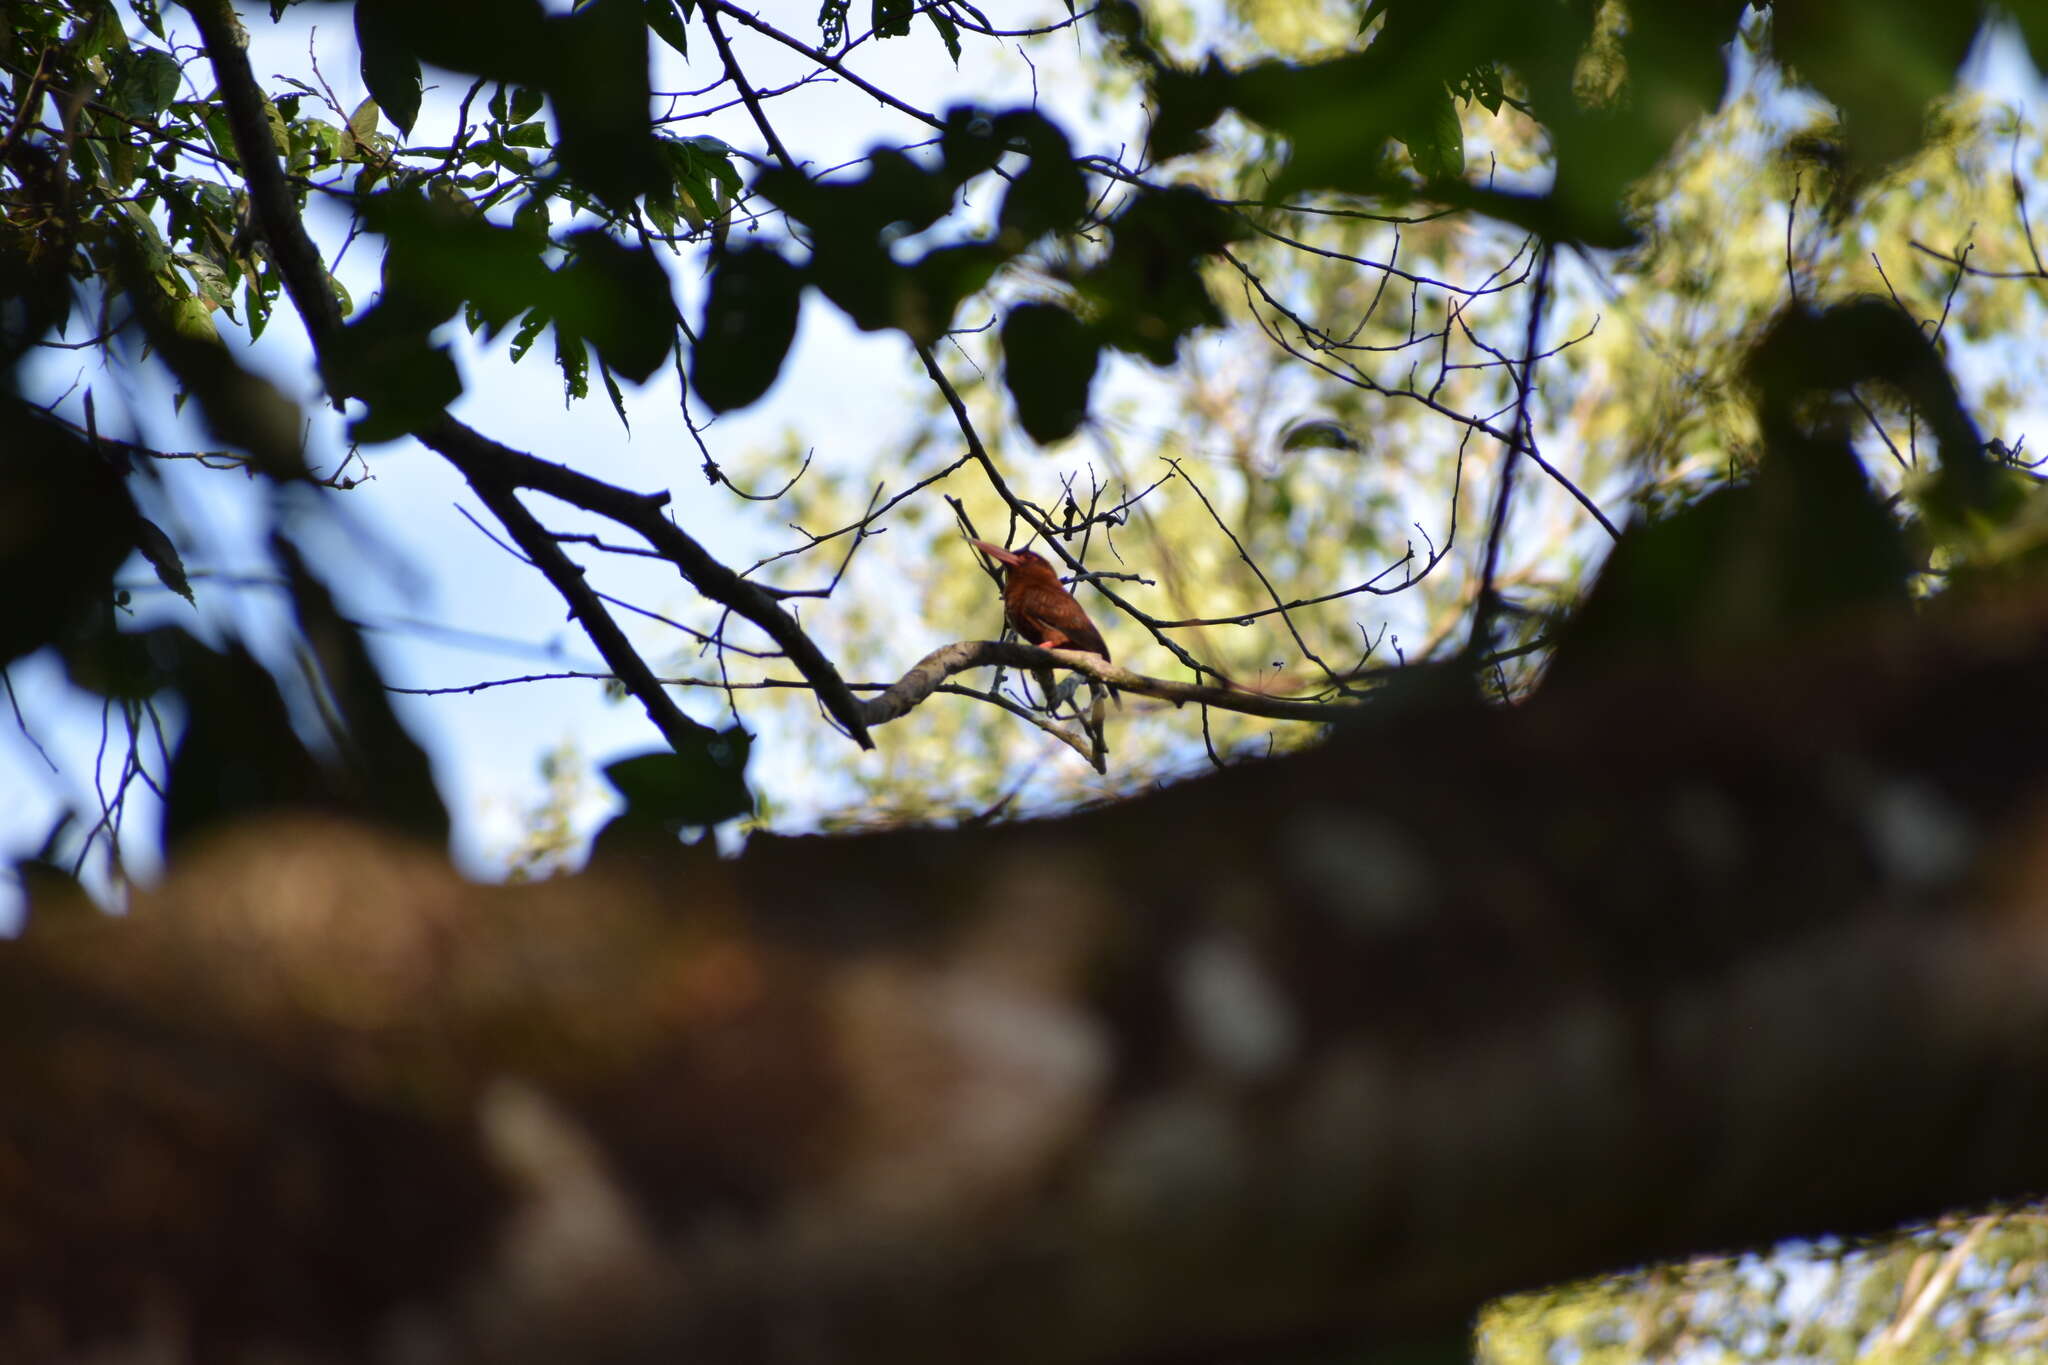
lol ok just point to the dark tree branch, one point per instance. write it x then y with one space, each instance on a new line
298 260
494 470
567 577
709 11
1525 437
642 514
712 8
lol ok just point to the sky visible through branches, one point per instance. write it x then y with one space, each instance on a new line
449 606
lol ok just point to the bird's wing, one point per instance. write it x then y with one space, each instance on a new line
1041 614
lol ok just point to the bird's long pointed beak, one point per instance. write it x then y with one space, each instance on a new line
995 552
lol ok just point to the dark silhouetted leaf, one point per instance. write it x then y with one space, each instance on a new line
749 321
895 194
617 297
162 555
100 658
832 22
704 785
892 17
1319 434
442 258
1806 538
1150 288
968 144
1188 102
390 67
68 523
572 358
858 275
1869 339
384 771
948 31
239 754
667 23
596 69
386 360
611 390
1880 69
1050 194
1049 361
929 292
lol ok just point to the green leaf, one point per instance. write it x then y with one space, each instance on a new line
390 67
363 121
209 280
749 321
1435 139
1483 85
705 182
218 132
715 156
140 231
99 36
667 24
1049 362
703 784
322 142
148 84
527 135
526 102
255 305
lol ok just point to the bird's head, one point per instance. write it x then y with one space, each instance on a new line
1025 561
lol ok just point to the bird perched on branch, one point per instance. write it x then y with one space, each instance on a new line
1045 614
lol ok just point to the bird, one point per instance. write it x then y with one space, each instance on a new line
1043 613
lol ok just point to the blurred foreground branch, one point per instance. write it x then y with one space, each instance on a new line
1310 1054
